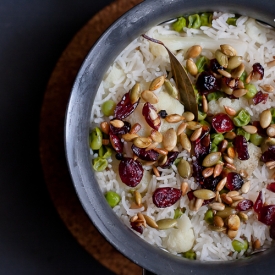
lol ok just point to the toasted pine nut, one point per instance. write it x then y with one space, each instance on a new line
135 128
233 193
217 170
117 123
221 184
105 141
181 128
204 104
207 172
156 171
229 110
256 244
245 188
196 134
184 187
226 199
217 206
105 127
218 221
231 152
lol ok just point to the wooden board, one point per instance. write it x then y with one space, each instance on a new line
53 160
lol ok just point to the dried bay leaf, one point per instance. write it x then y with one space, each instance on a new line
186 91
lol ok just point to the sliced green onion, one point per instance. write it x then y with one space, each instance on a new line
100 164
242 132
201 63
256 139
242 119
179 24
251 90
216 138
194 21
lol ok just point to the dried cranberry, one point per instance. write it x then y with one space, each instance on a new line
119 156
200 151
121 131
171 157
272 231
258 205
166 196
149 155
207 83
271 187
116 143
136 227
260 97
215 65
124 107
267 214
258 71
244 205
151 116
190 195
234 181
197 172
268 155
240 144
162 113
130 171
222 123
211 183
205 141
260 130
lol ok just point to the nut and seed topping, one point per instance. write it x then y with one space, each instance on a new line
207 172
196 134
135 93
218 221
105 127
193 51
169 139
228 50
181 128
204 194
157 83
184 188
142 142
138 197
117 123
149 96
230 111
191 67
156 136
221 184
217 206
150 221
174 118
166 223
185 142
135 128
265 118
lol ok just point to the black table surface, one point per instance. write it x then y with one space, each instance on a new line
33 239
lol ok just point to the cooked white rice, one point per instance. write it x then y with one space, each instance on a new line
143 61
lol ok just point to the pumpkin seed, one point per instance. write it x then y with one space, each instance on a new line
221 58
166 223
156 136
181 128
234 62
191 67
217 206
193 51
227 211
239 92
245 188
129 137
188 116
233 222
174 118
218 221
184 168
157 83
230 111
134 93
237 72
228 50
117 123
149 96
169 139
204 194
185 142
142 142
211 159
265 118
150 221
171 89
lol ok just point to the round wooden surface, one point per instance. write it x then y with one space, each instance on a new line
52 153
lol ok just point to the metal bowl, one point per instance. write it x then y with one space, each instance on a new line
135 22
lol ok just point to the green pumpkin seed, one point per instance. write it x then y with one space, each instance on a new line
204 194
166 223
184 168
226 212
211 159
234 62
171 89
150 221
221 58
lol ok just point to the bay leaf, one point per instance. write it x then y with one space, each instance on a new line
186 91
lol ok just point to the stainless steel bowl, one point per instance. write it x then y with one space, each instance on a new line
114 40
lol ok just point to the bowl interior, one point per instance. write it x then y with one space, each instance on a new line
114 40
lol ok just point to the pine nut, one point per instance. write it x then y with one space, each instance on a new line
181 128
217 206
156 171
226 199
265 118
245 188
193 51
196 134
207 172
221 184
184 188
218 221
217 170
232 233
256 244
224 73
105 127
117 123
231 152
230 111
135 128
157 83
174 118
204 104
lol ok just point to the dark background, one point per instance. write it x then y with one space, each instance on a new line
33 239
